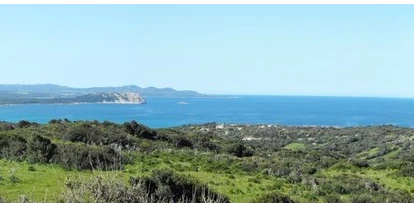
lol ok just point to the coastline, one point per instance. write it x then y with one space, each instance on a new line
76 103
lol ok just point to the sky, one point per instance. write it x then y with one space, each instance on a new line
322 50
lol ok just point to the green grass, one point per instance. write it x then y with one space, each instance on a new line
239 188
42 183
45 183
368 153
384 177
392 154
295 146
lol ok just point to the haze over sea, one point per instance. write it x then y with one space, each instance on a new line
280 110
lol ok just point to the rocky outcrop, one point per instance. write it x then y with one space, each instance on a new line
122 98
116 98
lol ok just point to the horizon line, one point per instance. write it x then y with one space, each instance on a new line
227 94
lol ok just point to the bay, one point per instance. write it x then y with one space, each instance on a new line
281 110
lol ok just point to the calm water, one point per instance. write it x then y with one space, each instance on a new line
166 112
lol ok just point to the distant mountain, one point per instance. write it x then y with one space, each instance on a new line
57 91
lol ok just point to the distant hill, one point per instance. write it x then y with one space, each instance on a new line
116 98
49 93
57 91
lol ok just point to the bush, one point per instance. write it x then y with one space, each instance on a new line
359 163
407 170
12 147
14 179
83 157
40 150
183 142
274 197
2 200
6 127
167 186
239 150
85 133
23 124
362 198
162 186
142 131
31 169
332 198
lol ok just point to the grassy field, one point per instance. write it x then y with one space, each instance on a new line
45 183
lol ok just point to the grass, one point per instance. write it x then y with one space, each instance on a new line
41 183
295 146
368 153
45 183
239 188
384 177
392 154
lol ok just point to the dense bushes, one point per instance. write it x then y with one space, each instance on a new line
239 150
40 150
163 186
81 157
142 131
335 165
12 146
6 126
167 186
99 134
274 197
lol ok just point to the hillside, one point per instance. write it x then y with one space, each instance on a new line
84 161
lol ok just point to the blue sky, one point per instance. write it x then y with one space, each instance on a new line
338 50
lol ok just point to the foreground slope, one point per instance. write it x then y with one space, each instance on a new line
241 163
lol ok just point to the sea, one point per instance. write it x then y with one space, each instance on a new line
273 110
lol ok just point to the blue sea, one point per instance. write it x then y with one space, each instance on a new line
280 110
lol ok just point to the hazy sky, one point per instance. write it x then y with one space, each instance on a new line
343 50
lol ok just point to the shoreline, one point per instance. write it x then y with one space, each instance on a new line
77 103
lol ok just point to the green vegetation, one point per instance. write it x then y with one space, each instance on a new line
91 161
295 146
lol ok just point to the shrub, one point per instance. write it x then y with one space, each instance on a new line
162 186
85 133
83 157
362 198
359 163
407 170
14 179
142 131
24 199
167 186
31 169
332 198
183 142
239 150
274 197
40 150
2 200
23 124
12 146
6 127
